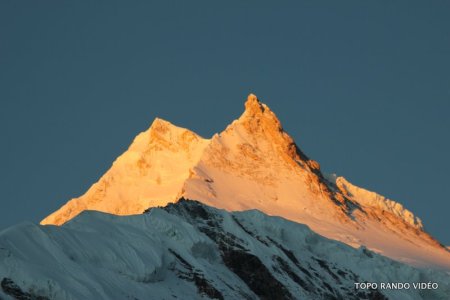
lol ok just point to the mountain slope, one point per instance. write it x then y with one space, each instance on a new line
150 173
188 250
255 164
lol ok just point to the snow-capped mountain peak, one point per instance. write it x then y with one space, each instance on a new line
150 173
261 124
254 164
258 112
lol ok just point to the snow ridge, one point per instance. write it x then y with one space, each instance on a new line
150 173
188 250
369 198
254 164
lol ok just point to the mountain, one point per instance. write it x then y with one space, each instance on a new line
255 164
188 250
150 173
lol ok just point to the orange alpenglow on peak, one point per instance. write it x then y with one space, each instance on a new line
253 104
150 173
254 108
253 164
258 116
160 123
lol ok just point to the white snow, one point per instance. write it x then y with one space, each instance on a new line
254 164
102 256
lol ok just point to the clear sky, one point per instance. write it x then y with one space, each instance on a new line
362 86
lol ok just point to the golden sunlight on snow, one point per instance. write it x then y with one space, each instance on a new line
254 164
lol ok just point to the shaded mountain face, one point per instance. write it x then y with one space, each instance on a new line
254 164
188 250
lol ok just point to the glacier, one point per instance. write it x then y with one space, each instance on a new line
188 250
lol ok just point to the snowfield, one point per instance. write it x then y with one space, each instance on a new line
188 250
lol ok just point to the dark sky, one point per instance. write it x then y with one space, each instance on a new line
362 86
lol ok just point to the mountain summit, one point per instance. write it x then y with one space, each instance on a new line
254 164
150 173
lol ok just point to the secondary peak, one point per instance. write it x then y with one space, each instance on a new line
158 122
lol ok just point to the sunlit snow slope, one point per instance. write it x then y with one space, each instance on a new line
150 173
255 164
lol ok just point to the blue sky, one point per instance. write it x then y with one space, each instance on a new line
363 87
